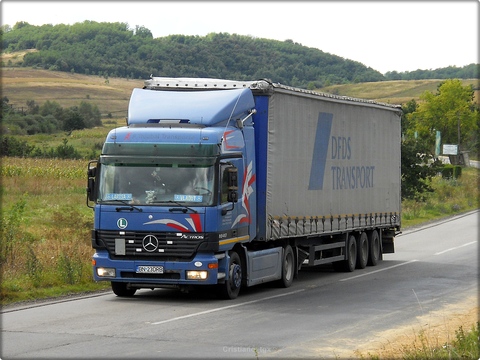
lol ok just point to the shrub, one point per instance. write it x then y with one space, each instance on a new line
451 171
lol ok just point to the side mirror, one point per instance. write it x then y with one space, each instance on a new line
91 173
90 189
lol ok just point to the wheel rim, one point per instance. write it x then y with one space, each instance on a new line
376 247
352 256
236 276
288 266
374 251
364 247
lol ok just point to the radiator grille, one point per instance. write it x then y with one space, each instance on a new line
151 246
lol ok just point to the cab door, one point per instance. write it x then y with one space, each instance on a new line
232 214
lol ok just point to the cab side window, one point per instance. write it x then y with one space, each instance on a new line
224 183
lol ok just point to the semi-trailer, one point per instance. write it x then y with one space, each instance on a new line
237 183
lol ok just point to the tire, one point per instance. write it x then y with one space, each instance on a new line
362 251
351 252
231 288
288 267
374 245
121 289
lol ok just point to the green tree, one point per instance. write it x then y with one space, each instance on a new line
73 120
417 169
90 114
451 111
408 108
32 107
4 106
142 31
51 108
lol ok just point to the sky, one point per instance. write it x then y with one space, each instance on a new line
384 35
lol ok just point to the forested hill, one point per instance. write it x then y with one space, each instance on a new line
114 49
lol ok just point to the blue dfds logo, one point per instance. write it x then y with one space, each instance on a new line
320 150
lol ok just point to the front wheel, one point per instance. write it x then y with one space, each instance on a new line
121 289
231 288
288 267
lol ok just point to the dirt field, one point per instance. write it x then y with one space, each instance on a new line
437 328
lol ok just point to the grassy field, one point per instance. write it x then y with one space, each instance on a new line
46 246
112 95
394 92
84 141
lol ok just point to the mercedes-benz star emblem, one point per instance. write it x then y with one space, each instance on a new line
150 243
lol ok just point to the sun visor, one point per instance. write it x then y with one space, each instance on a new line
195 107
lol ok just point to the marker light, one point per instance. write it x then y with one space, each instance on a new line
196 275
105 272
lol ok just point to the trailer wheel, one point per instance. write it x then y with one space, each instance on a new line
362 251
351 252
351 262
374 243
288 267
121 289
231 288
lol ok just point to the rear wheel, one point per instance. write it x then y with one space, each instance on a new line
351 262
122 289
231 288
374 244
288 267
362 251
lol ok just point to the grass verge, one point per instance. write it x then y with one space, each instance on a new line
451 332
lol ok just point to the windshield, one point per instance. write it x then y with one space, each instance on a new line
153 184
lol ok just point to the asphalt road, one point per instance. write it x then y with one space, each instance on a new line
322 314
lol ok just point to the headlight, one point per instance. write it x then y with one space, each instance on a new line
105 272
197 275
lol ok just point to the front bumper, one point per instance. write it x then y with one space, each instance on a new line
174 272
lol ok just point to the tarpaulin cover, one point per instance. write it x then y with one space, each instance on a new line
328 160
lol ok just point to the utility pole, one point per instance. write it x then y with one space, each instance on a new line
458 128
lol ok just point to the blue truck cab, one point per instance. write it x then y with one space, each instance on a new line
172 190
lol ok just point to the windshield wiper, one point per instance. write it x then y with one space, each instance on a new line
183 208
129 207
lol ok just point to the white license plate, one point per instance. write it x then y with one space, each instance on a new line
149 269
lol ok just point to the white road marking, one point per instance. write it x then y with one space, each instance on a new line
379 270
225 307
455 248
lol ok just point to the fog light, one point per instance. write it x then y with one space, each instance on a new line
106 272
197 275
